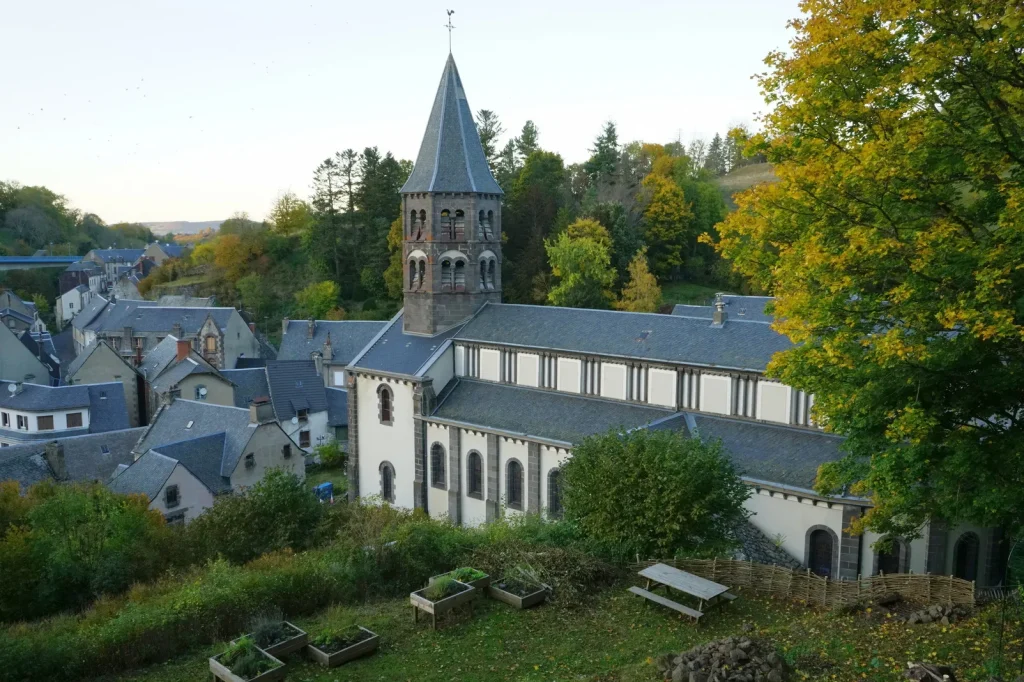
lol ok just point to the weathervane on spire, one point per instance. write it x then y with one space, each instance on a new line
450 27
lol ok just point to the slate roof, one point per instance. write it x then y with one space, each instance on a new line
118 255
401 353
176 373
249 384
146 476
173 250
146 316
85 265
107 409
539 413
171 425
451 158
90 312
295 385
11 312
86 353
32 341
175 301
91 457
159 357
740 308
670 338
348 337
64 344
203 457
771 453
250 363
337 406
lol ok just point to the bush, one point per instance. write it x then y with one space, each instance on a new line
276 513
64 545
331 455
654 492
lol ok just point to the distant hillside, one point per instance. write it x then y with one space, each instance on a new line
183 226
739 180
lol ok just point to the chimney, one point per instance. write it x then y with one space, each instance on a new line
54 454
19 387
183 349
176 330
318 362
261 411
252 327
138 357
328 349
284 326
719 316
310 329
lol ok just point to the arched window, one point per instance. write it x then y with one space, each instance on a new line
385 405
514 485
415 226
446 275
423 273
481 226
489 225
965 557
892 559
437 478
448 224
387 482
475 475
460 225
483 275
460 275
414 282
555 493
819 551
490 274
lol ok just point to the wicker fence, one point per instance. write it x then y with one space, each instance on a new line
813 589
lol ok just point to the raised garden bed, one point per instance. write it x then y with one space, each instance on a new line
279 639
245 662
517 593
441 597
469 576
333 651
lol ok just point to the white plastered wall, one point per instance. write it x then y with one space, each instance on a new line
379 442
661 387
490 364
569 375
716 394
267 447
195 498
442 370
474 511
460 361
773 400
613 381
786 517
510 449
437 499
528 371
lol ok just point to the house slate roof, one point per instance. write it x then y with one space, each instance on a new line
395 351
11 312
451 158
146 316
118 255
250 363
542 414
249 384
159 357
771 453
178 371
173 250
91 457
668 338
145 476
203 457
64 345
47 354
86 353
174 301
84 265
295 385
743 308
90 312
337 406
171 425
348 337
107 408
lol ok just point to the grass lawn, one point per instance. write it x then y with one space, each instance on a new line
335 476
616 639
687 293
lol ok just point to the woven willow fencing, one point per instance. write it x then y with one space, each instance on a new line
814 589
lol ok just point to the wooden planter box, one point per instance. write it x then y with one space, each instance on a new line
288 646
347 654
436 608
480 583
515 600
222 672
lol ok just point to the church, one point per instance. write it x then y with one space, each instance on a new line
467 407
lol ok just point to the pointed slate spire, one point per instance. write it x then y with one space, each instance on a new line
451 158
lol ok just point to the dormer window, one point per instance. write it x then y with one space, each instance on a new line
303 415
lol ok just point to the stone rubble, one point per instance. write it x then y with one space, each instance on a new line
938 613
733 659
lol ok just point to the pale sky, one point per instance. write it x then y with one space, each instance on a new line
192 110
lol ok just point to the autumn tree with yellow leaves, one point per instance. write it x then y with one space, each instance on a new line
894 242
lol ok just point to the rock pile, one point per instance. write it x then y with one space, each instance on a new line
925 672
937 613
733 659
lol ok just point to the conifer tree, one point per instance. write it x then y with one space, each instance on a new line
642 293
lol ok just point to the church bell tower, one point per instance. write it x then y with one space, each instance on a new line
451 209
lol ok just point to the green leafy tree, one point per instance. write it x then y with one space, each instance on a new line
490 129
655 493
642 293
581 264
667 220
893 241
317 299
290 215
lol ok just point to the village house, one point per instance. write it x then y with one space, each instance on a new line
44 347
113 261
17 362
70 303
158 253
18 315
133 328
173 369
467 408
300 401
330 344
99 363
195 451
31 412
85 273
92 458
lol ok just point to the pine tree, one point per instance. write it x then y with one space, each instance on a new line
527 142
605 155
489 129
715 161
642 293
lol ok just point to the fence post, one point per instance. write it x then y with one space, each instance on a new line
928 586
771 579
949 596
714 565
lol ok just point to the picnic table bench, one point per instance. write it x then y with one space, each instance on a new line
663 575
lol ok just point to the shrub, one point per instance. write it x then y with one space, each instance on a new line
331 455
276 513
655 492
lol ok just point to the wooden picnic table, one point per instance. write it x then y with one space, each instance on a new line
663 575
